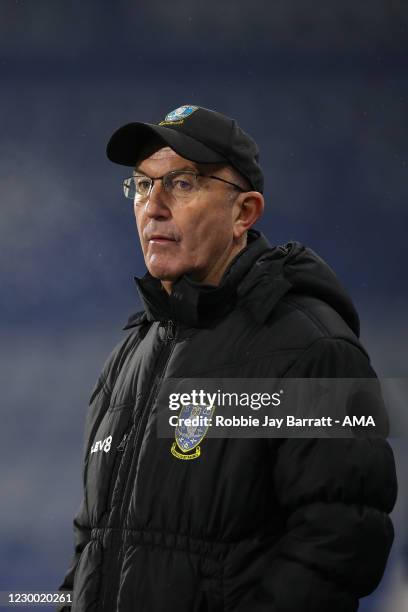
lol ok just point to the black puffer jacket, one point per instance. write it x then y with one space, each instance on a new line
271 525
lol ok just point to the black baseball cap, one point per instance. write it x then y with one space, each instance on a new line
196 133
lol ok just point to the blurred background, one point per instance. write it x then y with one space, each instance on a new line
323 88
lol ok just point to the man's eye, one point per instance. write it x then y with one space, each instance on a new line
143 185
182 183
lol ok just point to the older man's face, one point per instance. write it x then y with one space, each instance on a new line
194 236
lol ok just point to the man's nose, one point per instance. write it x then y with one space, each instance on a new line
157 203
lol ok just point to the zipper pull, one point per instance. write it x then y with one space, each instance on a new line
169 331
122 444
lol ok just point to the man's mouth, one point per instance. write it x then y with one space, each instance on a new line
161 239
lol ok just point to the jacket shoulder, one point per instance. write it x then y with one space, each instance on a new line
313 319
102 391
138 325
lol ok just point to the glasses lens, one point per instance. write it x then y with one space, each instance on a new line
136 187
142 186
129 188
180 184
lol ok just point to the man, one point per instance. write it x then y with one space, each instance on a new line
241 525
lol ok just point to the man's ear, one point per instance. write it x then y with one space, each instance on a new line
248 208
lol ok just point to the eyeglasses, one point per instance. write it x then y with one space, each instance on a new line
181 184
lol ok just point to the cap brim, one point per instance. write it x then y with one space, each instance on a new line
128 144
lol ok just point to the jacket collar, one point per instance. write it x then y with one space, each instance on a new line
255 280
195 304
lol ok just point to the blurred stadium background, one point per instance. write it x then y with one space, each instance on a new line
322 86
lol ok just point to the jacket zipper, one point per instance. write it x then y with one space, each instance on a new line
122 444
159 369
118 459
169 332
169 336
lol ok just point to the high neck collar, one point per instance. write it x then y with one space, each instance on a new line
195 304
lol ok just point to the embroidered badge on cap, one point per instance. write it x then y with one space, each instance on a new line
180 113
193 424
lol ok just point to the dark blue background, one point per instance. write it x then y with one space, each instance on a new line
322 86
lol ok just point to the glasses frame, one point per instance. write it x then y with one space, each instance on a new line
172 173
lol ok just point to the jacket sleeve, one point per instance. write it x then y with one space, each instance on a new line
97 406
82 534
335 496
81 522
